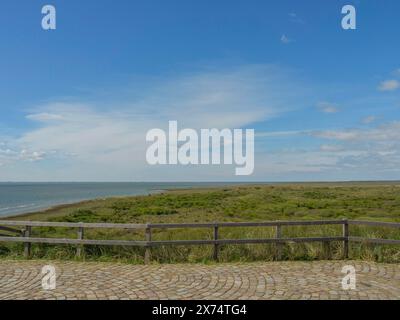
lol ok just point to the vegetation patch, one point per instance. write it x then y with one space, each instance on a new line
363 201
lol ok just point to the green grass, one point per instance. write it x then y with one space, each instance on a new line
368 201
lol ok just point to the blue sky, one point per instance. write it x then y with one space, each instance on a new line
76 102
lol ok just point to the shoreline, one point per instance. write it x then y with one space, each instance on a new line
152 188
57 207
72 204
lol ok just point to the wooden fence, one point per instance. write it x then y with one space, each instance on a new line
25 235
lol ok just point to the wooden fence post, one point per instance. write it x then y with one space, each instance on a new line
27 245
278 233
80 247
346 239
147 254
216 244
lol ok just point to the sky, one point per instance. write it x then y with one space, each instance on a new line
76 102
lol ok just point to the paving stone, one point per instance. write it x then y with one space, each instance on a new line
261 280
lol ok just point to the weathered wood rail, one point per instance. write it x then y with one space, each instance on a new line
25 235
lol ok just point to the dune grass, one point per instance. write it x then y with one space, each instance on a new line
368 201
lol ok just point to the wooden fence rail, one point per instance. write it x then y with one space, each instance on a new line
25 235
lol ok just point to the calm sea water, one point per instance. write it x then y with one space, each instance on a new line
18 198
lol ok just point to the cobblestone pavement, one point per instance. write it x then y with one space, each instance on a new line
269 280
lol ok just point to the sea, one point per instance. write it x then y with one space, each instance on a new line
23 197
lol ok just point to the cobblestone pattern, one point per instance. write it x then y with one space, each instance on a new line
270 280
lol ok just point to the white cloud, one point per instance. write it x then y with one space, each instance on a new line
9 156
327 107
222 99
104 142
287 162
336 135
279 133
389 85
388 132
88 134
368 119
43 117
107 142
31 156
285 39
357 154
331 148
295 18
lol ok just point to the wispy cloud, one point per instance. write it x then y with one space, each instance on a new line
103 141
285 39
369 153
9 155
95 142
327 107
294 17
384 133
368 119
331 148
43 117
389 85
218 98
280 133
